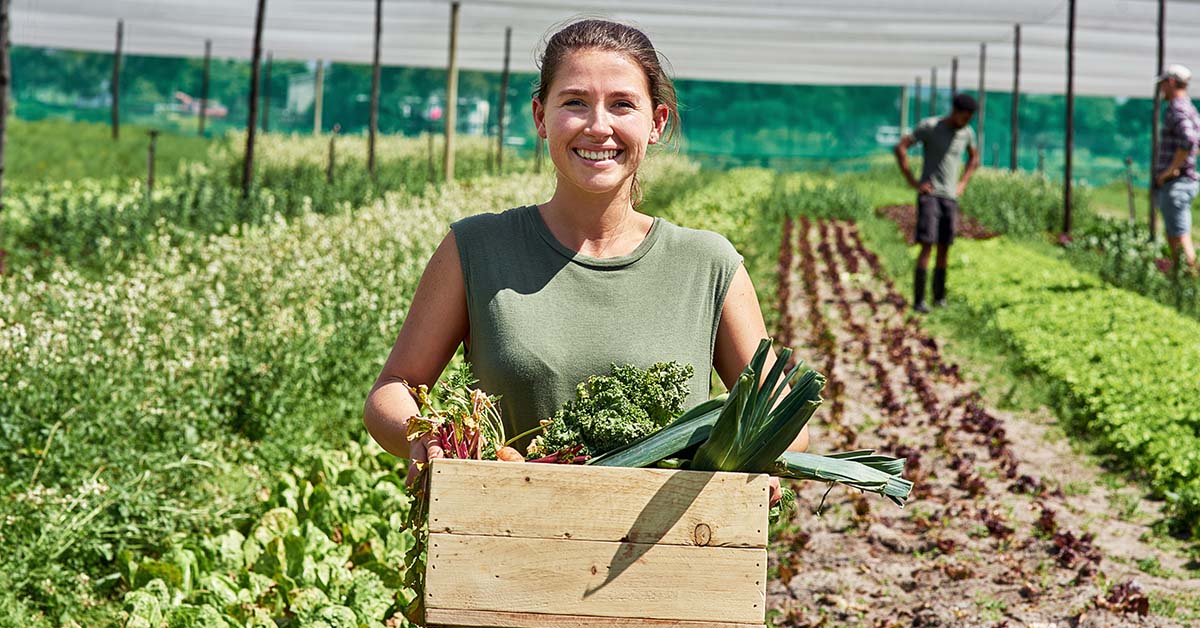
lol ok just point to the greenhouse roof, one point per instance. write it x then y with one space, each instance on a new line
867 42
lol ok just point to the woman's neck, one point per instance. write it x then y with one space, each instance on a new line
597 225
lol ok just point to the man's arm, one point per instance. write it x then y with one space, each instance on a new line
972 164
1185 130
901 152
1172 170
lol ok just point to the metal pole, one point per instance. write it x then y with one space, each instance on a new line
451 96
933 92
375 74
1129 188
1016 98
1162 16
204 84
5 82
903 110
982 91
917 104
251 126
150 165
318 97
503 100
266 121
1070 142
953 77
116 82
332 157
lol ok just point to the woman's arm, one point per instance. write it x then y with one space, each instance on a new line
738 335
434 327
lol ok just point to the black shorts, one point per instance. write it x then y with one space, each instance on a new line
936 219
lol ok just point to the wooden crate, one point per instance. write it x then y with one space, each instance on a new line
522 545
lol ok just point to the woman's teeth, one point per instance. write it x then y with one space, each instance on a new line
597 155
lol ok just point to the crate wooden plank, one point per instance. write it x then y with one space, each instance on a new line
452 618
599 503
596 578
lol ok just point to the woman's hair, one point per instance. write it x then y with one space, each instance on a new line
597 34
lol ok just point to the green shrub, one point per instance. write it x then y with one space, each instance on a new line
1022 204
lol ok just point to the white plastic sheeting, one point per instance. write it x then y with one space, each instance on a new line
871 42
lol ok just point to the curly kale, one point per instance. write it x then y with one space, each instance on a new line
613 410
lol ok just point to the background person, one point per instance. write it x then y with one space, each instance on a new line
1176 179
944 140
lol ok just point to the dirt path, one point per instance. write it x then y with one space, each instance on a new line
1007 526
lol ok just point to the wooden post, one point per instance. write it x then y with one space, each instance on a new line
503 101
917 104
953 77
982 91
1070 140
251 122
332 157
116 82
432 171
903 110
5 83
933 91
266 121
1041 159
1129 188
1014 125
204 84
318 97
150 165
375 74
451 97
1162 16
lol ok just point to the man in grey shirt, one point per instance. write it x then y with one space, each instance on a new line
943 140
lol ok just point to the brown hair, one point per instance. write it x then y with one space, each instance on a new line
597 34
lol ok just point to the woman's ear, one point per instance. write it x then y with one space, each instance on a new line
539 117
661 115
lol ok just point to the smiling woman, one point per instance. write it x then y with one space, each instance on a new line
545 296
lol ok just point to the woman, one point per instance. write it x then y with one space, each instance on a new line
544 296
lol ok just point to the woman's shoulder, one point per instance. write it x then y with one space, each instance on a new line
699 241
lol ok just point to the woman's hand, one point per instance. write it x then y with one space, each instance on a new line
776 492
420 451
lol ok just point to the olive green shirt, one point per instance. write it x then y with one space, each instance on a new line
944 146
543 318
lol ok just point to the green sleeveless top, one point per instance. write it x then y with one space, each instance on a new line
543 318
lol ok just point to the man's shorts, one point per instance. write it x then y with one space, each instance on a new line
1175 203
936 218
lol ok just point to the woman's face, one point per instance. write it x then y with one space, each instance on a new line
598 119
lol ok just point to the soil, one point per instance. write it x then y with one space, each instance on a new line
905 217
1007 524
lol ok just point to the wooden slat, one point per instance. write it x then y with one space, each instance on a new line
597 578
451 618
599 503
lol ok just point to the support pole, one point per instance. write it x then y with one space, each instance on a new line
503 101
150 165
982 91
204 84
116 82
1153 204
1070 140
251 126
903 110
1129 189
375 74
953 77
451 96
5 83
1014 125
917 104
933 91
432 172
332 156
318 97
266 121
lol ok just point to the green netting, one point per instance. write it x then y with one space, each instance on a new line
814 127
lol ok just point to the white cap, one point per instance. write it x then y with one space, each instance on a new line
1176 71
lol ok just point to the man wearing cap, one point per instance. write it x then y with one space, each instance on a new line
938 189
1175 177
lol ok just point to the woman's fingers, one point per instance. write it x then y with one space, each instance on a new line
434 451
776 492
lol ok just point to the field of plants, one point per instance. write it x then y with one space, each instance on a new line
182 372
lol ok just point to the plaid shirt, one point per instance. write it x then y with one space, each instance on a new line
1181 131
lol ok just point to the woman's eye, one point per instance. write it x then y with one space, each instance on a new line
625 104
574 102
